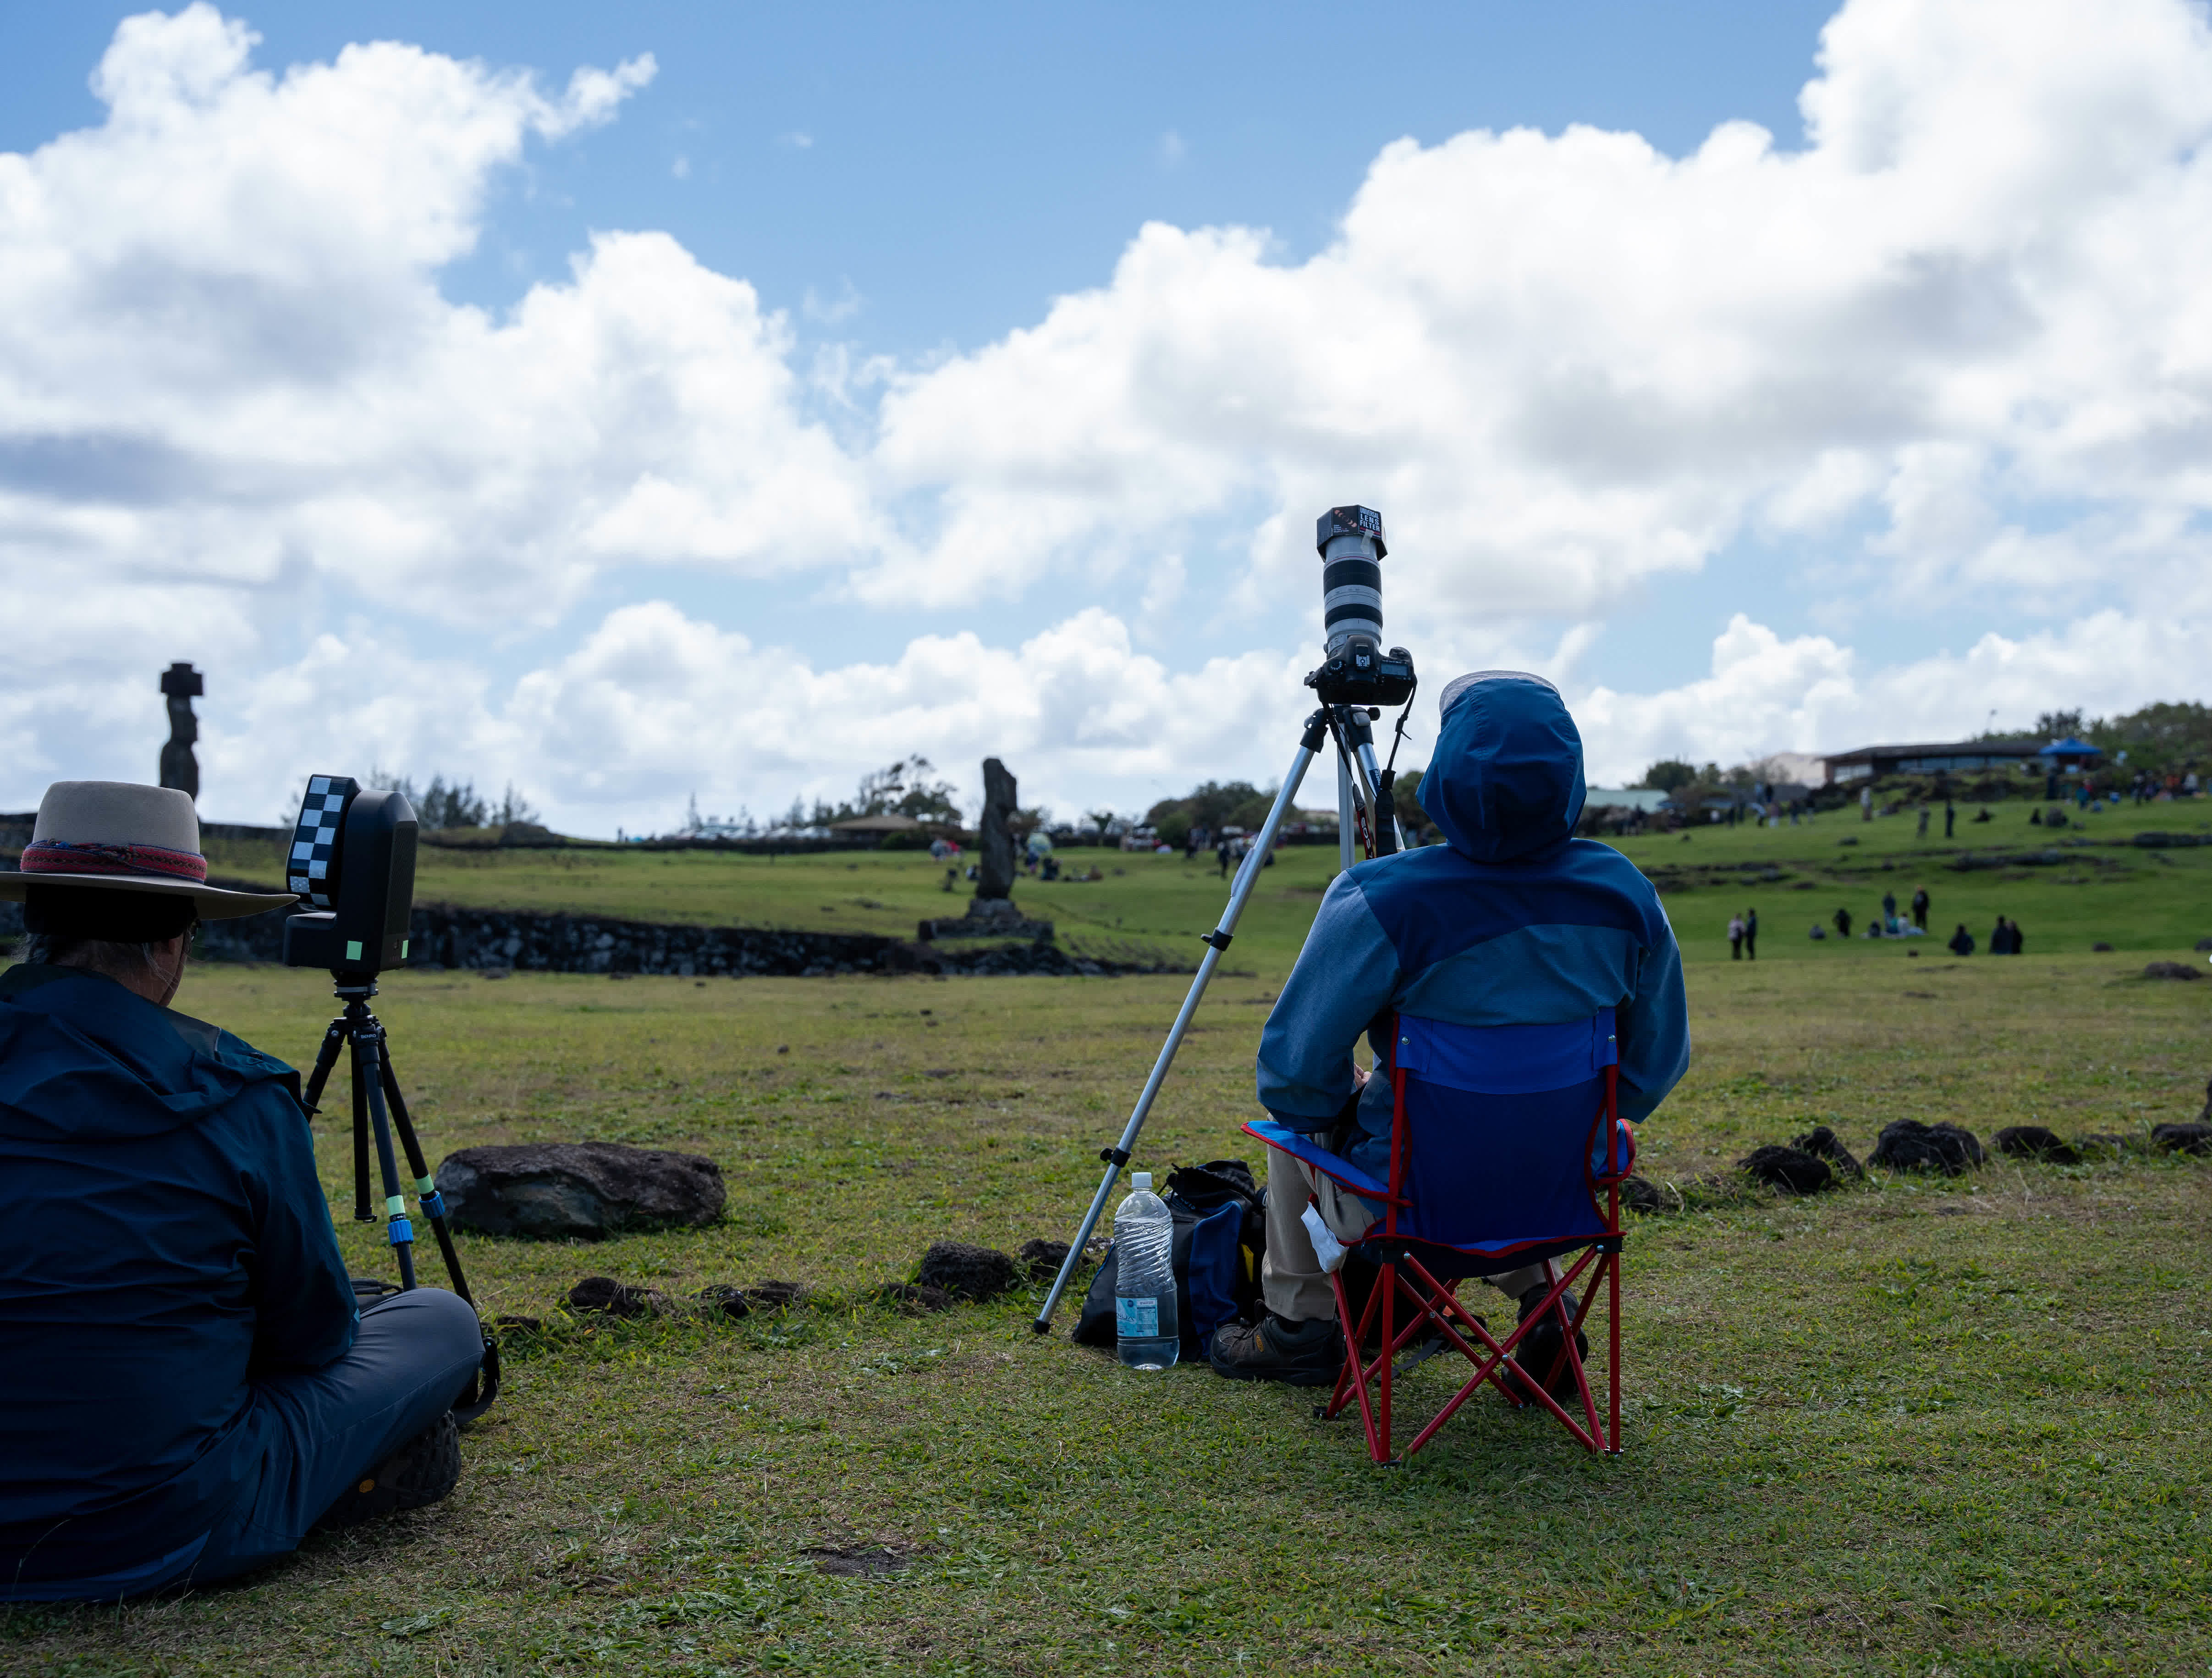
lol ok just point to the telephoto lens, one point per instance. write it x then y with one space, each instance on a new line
1354 669
1350 539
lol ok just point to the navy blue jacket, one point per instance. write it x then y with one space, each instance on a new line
1511 921
164 1243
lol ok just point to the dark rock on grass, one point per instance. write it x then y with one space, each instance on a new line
770 1295
2195 1138
520 1325
2170 969
2101 948
1823 1143
555 1191
966 1271
913 1299
725 1299
867 1561
606 1296
2104 1141
2035 1141
1910 1146
1641 1194
1042 1258
2202 944
1791 1169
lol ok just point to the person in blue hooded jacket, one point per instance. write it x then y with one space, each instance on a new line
186 1386
1511 921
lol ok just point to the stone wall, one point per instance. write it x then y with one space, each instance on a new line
443 936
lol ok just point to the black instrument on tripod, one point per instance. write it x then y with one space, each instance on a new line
1355 679
353 857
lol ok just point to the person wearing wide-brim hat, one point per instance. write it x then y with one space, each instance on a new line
185 1384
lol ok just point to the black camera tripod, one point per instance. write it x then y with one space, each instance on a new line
378 1110
1368 803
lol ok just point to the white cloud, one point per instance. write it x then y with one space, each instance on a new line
1953 356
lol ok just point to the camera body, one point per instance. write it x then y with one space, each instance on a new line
1356 669
353 857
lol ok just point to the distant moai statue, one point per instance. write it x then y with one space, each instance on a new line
996 873
179 768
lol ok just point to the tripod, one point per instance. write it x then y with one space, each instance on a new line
378 1110
1363 803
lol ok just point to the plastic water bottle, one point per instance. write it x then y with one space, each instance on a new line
1147 1333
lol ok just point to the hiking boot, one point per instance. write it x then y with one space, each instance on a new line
1298 1354
1540 1348
420 1472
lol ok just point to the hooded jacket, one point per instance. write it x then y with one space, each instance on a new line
164 1243
1511 921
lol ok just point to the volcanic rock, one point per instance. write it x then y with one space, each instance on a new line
2202 944
966 1271
555 1191
2170 969
2182 1138
2035 1141
1910 1146
727 1299
2101 948
1823 1143
770 1295
1792 1169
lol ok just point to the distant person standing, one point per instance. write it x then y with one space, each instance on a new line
1962 941
1841 922
1751 934
1221 854
1889 911
1920 908
1866 804
1950 816
2013 940
1922 833
1735 938
2000 939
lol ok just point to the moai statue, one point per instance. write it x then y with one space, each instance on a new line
179 768
996 873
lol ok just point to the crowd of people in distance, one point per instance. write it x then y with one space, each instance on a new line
2005 938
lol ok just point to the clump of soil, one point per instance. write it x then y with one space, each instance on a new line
913 1299
609 1297
862 1561
1823 1143
968 1272
2170 969
1641 1194
2035 1141
2194 1138
1790 1170
1042 1258
1909 1145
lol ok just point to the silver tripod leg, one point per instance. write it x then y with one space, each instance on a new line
1247 875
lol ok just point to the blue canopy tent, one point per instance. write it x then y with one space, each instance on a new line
2070 753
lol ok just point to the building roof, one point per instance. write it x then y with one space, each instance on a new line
1867 754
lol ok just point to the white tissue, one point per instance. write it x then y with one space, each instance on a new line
1326 1248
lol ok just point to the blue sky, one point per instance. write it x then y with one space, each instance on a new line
1655 421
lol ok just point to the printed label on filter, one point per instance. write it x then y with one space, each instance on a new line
1137 1319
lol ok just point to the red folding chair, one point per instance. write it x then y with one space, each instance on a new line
1506 1147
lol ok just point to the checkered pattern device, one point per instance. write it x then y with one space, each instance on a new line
313 869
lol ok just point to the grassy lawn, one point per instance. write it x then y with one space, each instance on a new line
1916 1427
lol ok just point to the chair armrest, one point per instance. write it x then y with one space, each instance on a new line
1335 1166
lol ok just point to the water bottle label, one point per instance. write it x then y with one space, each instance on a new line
1137 1319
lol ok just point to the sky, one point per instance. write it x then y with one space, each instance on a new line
637 404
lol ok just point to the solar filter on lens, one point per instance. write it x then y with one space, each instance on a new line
1350 542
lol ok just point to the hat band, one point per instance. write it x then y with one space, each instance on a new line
64 856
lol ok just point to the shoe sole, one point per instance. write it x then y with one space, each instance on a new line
1280 1376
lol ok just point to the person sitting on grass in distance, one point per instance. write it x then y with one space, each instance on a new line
1962 941
1512 921
186 1386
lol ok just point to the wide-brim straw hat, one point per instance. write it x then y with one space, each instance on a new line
114 835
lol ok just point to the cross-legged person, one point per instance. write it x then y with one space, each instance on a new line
186 1386
1511 921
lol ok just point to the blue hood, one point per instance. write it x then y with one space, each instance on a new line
1505 781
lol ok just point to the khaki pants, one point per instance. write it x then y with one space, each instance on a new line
1291 1277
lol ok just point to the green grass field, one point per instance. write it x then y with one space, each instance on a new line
1916 1427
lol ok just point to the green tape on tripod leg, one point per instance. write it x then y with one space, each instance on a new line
396 1205
424 1186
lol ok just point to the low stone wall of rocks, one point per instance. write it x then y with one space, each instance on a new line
443 936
